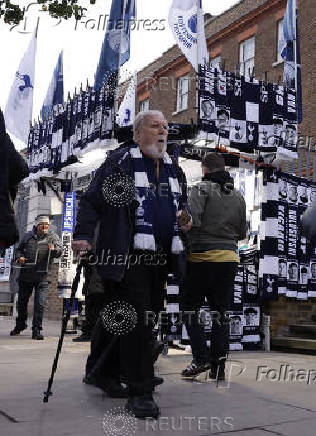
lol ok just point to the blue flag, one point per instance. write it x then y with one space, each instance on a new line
115 41
55 92
289 49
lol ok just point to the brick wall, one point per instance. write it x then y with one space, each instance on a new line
230 53
287 311
54 305
307 13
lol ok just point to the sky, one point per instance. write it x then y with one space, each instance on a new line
81 43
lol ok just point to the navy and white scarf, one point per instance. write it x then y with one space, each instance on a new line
144 238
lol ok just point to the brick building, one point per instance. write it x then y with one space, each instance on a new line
245 38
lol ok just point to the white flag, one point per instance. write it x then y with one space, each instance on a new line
186 20
126 113
18 111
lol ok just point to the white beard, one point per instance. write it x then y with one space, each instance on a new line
153 152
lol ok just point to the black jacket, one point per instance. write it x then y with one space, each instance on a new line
13 169
38 256
116 223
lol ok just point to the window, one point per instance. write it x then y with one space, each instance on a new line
279 38
216 62
183 93
247 56
144 105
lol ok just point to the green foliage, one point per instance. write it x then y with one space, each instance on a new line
13 14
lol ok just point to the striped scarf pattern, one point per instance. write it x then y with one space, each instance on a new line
144 238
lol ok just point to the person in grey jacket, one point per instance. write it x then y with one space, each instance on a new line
34 257
219 222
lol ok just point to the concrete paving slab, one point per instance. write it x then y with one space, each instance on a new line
246 407
306 428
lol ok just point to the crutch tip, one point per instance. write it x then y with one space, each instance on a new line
46 396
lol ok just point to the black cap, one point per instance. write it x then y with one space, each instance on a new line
214 161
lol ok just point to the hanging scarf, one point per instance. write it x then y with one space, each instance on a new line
144 238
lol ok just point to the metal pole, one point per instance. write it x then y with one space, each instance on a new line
266 332
116 96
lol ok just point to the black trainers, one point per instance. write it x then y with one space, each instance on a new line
16 331
84 337
194 369
143 406
217 371
37 335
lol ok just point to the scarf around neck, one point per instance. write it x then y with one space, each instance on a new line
144 238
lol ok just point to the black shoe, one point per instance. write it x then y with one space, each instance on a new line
157 349
217 371
157 381
84 337
37 335
143 406
194 369
111 387
17 331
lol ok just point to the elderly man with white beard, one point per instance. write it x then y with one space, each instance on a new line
139 198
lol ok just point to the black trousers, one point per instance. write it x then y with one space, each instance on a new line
94 303
102 341
215 281
25 291
143 288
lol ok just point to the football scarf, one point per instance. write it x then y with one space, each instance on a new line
144 237
246 113
287 259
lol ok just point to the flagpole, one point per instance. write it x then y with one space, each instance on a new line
116 96
35 50
197 59
295 56
198 28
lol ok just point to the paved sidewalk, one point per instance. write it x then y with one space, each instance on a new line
274 404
